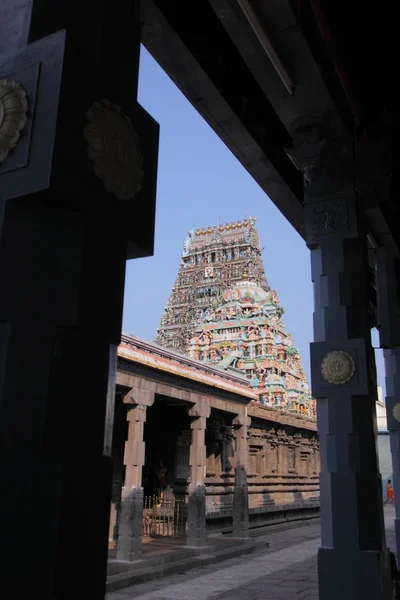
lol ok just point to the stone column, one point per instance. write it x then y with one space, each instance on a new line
129 543
298 462
388 288
314 467
241 454
240 509
353 562
282 452
69 193
196 529
60 314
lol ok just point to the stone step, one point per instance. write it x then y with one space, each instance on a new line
282 524
156 559
256 529
202 557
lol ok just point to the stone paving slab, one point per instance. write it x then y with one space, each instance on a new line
287 570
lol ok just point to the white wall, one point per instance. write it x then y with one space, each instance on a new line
385 457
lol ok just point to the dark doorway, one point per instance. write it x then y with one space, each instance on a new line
165 425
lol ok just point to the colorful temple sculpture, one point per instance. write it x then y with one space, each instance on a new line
212 260
247 333
221 310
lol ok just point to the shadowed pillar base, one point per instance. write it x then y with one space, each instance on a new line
361 576
130 526
196 528
240 521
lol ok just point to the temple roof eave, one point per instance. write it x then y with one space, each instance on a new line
153 355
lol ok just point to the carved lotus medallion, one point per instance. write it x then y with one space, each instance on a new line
13 111
396 412
337 367
114 149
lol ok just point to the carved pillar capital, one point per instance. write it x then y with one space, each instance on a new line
136 413
306 157
241 420
139 396
199 410
327 164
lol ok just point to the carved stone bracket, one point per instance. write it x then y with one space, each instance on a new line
114 149
241 420
306 157
199 410
139 397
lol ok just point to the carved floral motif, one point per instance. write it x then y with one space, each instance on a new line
330 217
13 115
337 367
114 149
396 412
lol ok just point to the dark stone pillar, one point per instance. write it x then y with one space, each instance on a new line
240 516
353 563
388 289
240 509
130 525
196 526
196 520
131 510
69 182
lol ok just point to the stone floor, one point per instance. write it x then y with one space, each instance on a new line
284 571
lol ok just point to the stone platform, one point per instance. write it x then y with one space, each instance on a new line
163 557
285 570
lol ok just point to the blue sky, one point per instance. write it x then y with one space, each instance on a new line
199 181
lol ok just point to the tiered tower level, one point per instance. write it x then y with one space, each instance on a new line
213 259
222 311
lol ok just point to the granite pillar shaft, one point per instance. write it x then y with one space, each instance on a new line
196 526
241 453
134 448
240 508
352 560
57 309
131 509
240 511
64 241
197 456
130 525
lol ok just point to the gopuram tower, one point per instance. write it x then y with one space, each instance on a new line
213 259
222 311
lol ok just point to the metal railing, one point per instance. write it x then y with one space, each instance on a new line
164 517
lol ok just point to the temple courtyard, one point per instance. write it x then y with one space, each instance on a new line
285 570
